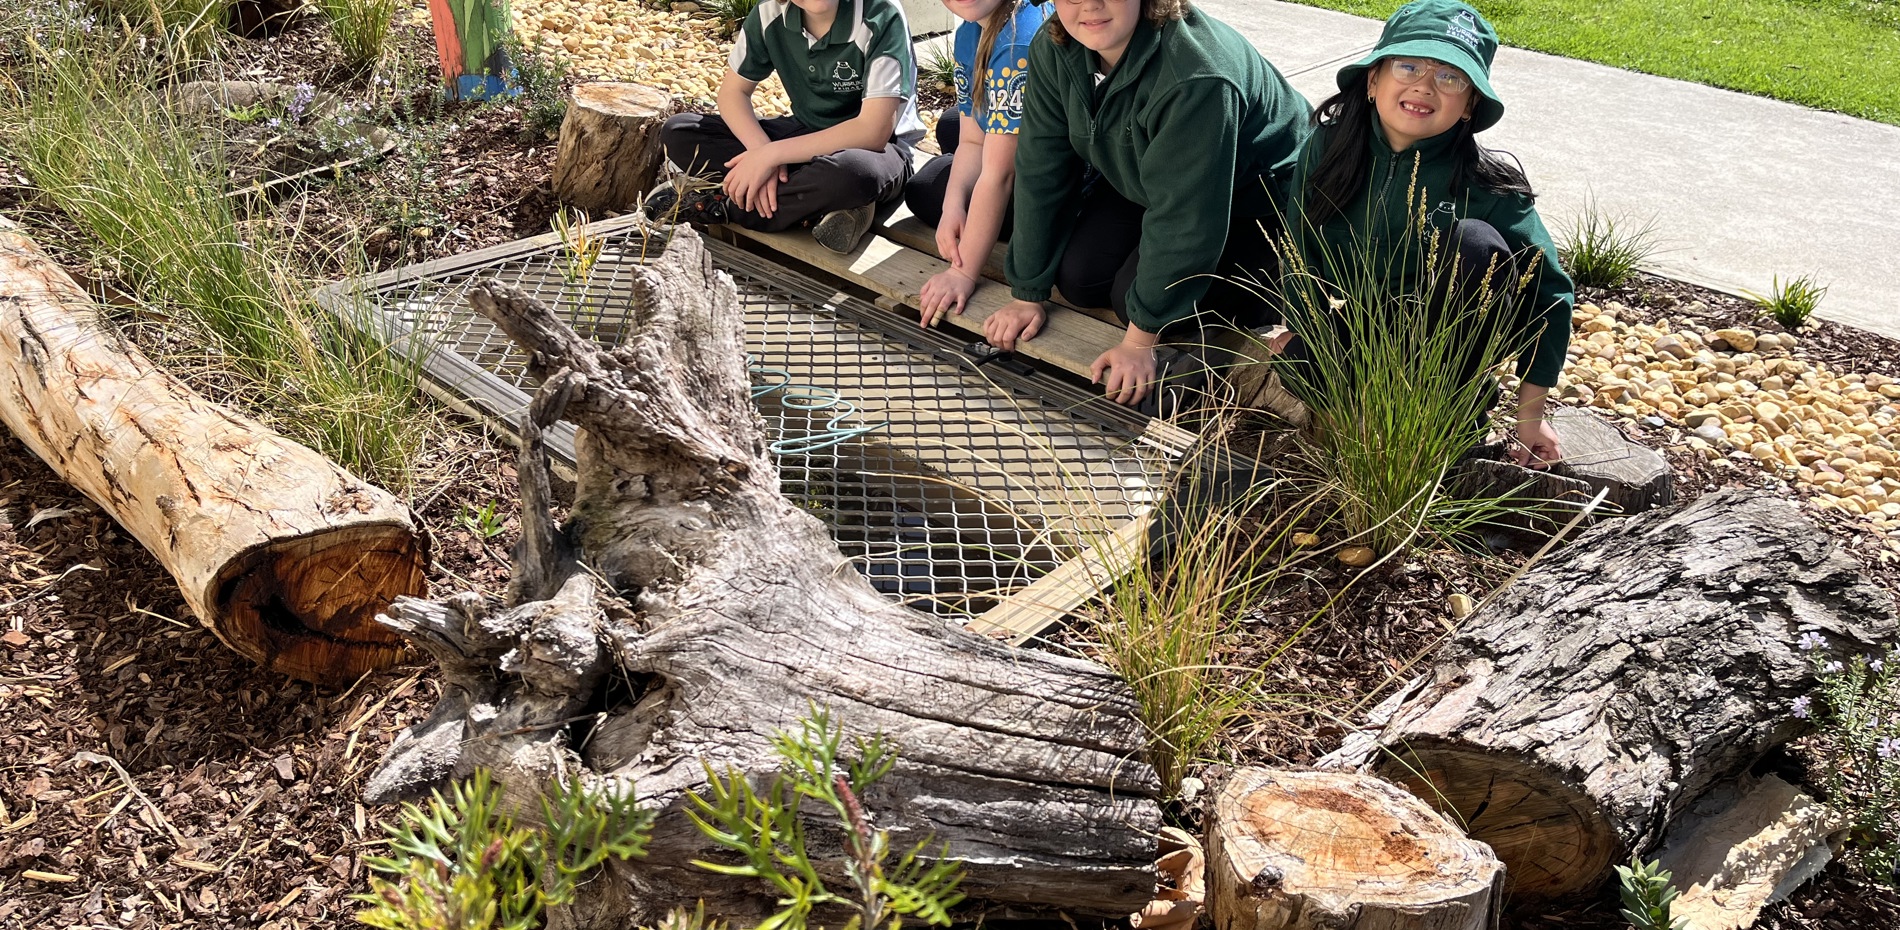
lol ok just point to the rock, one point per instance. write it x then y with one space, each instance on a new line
1357 556
1672 347
1740 340
216 98
1767 342
1711 432
1460 605
1304 540
684 6
1745 845
1655 422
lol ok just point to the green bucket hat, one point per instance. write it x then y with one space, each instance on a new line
1445 30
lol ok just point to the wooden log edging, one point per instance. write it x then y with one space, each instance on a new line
281 553
1599 696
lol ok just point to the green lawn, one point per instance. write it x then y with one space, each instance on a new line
1839 55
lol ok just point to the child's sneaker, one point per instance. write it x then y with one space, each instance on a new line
704 205
842 230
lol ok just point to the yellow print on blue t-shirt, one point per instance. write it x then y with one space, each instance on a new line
1003 98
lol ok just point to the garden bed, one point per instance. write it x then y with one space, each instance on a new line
246 812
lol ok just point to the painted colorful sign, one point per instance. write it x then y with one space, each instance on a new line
469 37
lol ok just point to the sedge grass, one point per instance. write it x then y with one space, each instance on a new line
1601 250
145 189
360 28
1397 380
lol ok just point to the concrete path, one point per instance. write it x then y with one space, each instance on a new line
1742 188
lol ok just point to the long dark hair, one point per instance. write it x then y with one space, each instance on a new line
1346 163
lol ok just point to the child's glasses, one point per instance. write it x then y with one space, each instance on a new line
1408 71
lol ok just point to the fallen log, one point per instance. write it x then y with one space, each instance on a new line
285 556
1596 698
714 613
1338 851
609 153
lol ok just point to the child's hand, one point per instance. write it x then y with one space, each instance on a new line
752 180
1018 319
950 237
1537 444
947 291
1125 372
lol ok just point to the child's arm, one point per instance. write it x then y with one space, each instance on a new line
966 164
987 195
735 107
752 177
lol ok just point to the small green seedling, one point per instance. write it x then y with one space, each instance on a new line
1792 303
485 522
1647 896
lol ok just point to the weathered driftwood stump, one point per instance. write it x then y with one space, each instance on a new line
1600 695
736 615
609 153
285 556
1338 851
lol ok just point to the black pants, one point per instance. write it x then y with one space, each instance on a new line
1104 255
701 144
925 192
1485 267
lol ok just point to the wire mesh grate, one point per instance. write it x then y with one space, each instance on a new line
969 481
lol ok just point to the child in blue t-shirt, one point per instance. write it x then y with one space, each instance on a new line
966 191
845 149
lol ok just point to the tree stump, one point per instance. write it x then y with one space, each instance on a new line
285 556
1586 706
1339 851
609 152
713 613
1599 455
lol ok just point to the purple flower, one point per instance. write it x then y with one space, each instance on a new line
1889 747
300 99
1876 665
1801 706
1833 668
274 122
1811 640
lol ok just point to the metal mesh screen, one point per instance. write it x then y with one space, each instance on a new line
967 481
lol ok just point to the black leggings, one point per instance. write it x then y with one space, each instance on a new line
1104 255
701 144
925 191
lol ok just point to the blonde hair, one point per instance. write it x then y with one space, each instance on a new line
1158 12
985 46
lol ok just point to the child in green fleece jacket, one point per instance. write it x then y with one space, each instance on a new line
1194 136
1394 164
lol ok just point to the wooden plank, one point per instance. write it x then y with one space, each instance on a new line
909 231
1069 340
1046 601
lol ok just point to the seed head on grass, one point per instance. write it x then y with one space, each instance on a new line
1602 250
1395 382
1791 304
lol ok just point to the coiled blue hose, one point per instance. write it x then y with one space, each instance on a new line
810 398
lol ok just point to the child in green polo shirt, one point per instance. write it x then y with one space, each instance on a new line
1392 171
845 149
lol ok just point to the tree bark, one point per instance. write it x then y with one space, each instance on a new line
285 556
1338 851
714 613
1601 694
609 152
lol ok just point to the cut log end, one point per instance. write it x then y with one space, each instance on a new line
1298 850
1557 842
307 607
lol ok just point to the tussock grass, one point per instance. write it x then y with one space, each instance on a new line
360 28
1397 385
1601 250
146 190
1791 304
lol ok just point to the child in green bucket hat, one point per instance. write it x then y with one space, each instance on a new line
1393 195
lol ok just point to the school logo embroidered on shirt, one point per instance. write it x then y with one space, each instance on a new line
1464 28
845 77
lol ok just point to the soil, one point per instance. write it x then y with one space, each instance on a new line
238 806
